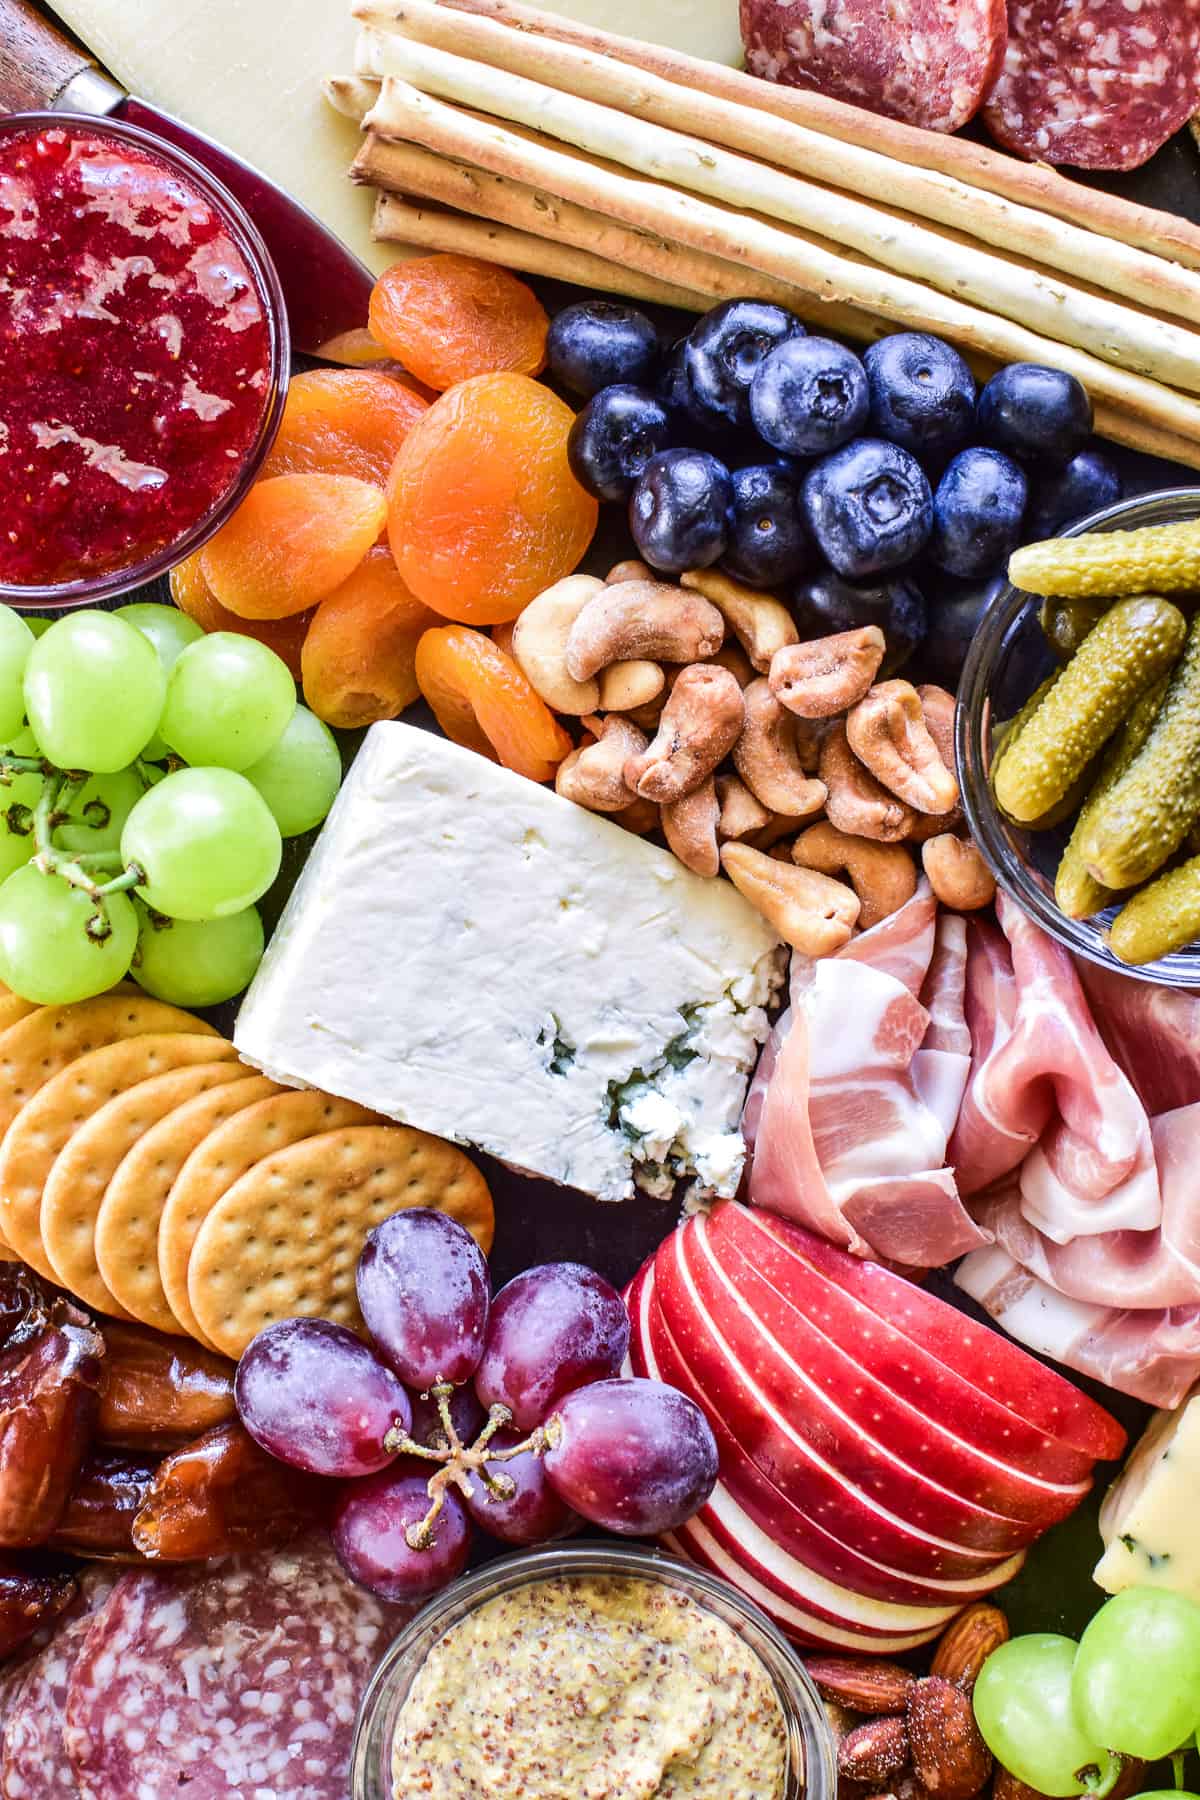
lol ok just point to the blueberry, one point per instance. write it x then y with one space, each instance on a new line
977 512
678 512
613 439
922 393
596 343
1035 413
1088 483
957 617
824 603
809 396
868 506
767 541
722 352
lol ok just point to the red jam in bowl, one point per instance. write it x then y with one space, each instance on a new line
136 355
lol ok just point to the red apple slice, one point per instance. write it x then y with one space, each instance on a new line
991 1362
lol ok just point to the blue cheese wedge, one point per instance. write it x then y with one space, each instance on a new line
471 954
1148 1519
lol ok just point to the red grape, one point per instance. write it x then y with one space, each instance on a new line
552 1329
313 1395
635 1456
466 1415
534 1513
370 1526
423 1291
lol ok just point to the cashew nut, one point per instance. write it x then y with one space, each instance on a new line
761 624
629 570
699 726
741 813
593 775
812 913
822 678
734 658
624 685
887 732
883 876
957 873
767 757
856 802
539 643
636 619
642 817
937 706
778 827
690 828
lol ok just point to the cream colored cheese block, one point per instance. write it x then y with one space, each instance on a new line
249 73
1149 1517
469 953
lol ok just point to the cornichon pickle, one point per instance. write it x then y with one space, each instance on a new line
1065 623
1132 646
1146 815
1164 557
1077 892
1163 917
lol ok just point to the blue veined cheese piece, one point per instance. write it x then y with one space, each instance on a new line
1148 1519
469 953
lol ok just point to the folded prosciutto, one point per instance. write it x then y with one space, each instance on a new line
858 1092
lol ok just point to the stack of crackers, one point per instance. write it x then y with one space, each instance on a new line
157 1178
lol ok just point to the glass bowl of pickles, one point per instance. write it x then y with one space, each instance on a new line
1078 736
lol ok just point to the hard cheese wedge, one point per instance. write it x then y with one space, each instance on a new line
1148 1520
471 954
249 74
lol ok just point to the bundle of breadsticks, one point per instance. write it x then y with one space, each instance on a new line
500 131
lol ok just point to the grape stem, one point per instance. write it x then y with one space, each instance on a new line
54 802
1095 1783
459 1461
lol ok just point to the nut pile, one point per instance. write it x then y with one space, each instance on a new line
788 765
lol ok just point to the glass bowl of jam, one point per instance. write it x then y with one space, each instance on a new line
143 357
592 1668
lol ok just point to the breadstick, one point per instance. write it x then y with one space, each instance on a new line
657 207
1031 184
1130 274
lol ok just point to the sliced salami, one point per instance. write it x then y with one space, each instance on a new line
238 1681
927 62
1097 84
33 1756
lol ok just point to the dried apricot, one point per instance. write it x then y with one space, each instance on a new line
343 422
358 350
450 317
192 595
359 656
293 540
481 698
483 510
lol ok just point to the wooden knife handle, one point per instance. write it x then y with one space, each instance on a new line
36 60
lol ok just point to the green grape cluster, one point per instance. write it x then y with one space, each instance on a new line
150 775
1062 1716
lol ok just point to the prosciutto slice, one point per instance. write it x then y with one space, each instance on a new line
1152 1032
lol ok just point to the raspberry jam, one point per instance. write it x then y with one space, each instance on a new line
137 355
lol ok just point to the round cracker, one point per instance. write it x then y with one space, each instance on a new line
83 1169
285 1239
288 1117
51 1116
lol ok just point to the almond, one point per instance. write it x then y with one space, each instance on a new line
948 1754
873 1752
967 1643
864 1684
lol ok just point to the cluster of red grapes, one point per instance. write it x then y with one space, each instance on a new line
508 1413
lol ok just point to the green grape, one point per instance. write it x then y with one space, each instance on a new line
207 843
1136 1685
46 952
197 963
170 631
94 690
299 778
16 641
98 813
229 699
17 801
1023 1708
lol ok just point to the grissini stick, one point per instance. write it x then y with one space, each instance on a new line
403 112
1139 342
976 165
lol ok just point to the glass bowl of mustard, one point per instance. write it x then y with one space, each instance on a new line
597 1669
1009 658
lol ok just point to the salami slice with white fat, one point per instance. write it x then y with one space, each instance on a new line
33 1755
927 62
245 1676
1097 84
